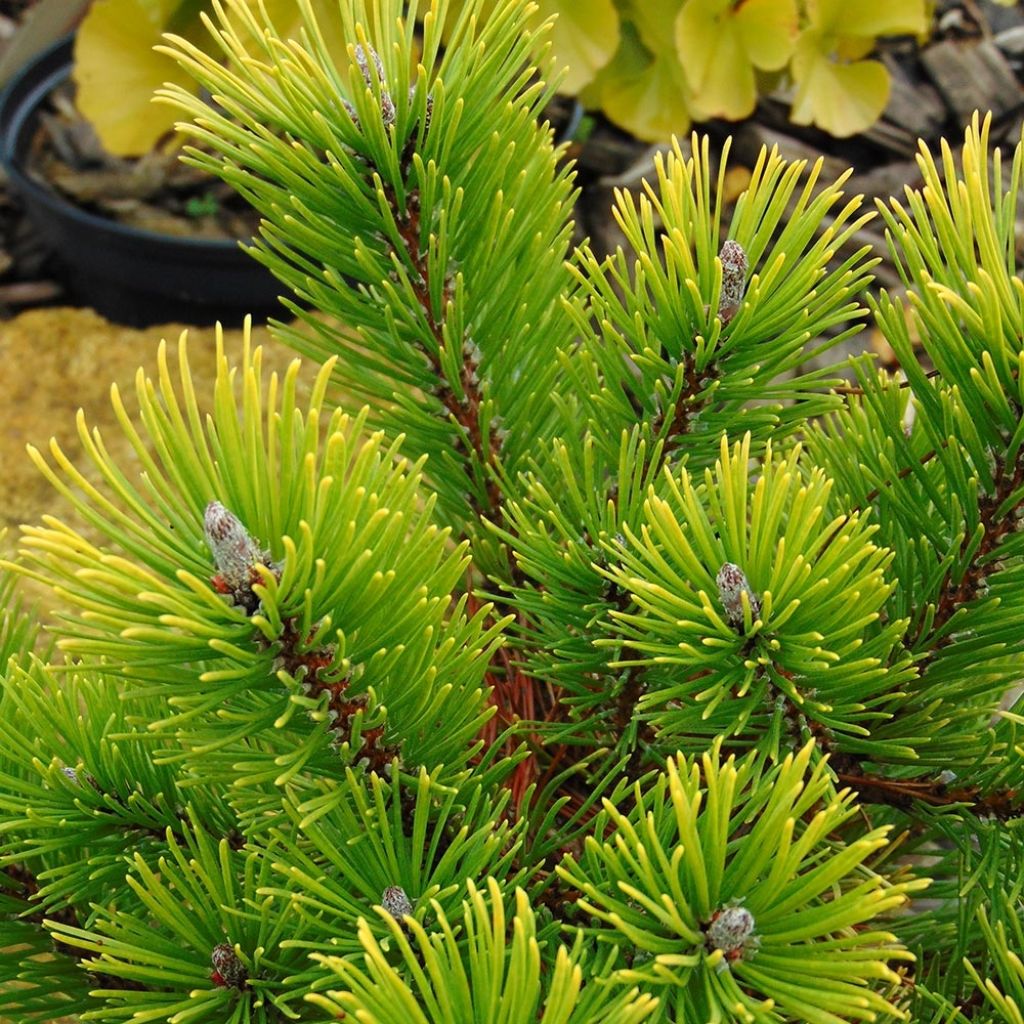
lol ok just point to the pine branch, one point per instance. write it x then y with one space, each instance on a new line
315 668
463 404
1009 479
427 193
1003 804
858 389
28 884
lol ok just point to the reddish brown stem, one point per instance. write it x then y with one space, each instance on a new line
903 473
311 667
902 793
686 406
466 411
973 581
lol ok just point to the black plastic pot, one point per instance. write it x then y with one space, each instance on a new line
131 276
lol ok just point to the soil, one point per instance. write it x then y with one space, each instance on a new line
155 192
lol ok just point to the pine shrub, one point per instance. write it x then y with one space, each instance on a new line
564 650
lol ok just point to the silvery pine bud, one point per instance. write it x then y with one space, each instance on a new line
234 552
731 930
79 778
395 902
363 60
228 970
732 582
364 56
734 279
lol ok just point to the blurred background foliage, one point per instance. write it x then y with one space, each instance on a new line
652 68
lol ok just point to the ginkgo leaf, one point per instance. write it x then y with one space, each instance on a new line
720 44
117 72
850 48
653 20
843 99
768 29
644 93
868 17
584 38
717 68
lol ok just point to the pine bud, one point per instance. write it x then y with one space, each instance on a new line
396 903
734 279
732 582
364 57
79 778
732 931
235 553
228 969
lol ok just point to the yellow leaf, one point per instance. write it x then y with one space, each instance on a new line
584 38
116 72
736 181
768 30
843 99
868 17
652 19
645 94
286 17
850 48
719 44
717 68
